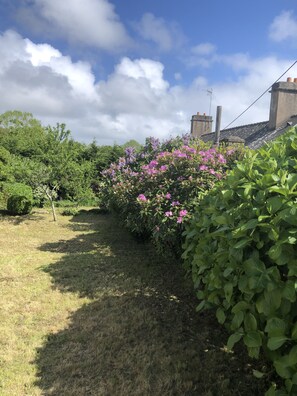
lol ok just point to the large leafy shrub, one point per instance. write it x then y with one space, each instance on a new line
154 191
9 189
19 205
241 248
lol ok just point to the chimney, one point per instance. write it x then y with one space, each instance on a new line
283 103
201 124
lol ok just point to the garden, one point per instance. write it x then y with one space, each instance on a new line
199 296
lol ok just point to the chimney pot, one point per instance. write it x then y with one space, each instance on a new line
289 79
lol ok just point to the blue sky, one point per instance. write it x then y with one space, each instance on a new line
116 70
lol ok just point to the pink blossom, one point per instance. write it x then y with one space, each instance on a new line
175 203
203 167
142 197
212 171
152 164
221 159
168 196
163 167
179 220
168 214
183 212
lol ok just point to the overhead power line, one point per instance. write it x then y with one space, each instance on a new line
252 104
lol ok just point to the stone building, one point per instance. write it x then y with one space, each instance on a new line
282 115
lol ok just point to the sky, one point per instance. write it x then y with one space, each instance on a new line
116 70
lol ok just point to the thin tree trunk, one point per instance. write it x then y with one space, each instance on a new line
53 210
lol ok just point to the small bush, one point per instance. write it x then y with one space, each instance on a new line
241 249
65 203
70 212
19 205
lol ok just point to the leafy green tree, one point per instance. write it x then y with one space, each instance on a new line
21 134
133 143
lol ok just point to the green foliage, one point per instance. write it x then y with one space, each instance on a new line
9 189
21 134
70 212
241 249
133 143
19 205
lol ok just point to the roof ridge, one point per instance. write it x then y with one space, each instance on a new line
245 125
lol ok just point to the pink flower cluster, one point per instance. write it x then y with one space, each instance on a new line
142 197
182 214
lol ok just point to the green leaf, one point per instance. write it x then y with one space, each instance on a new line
252 339
275 327
283 369
289 216
200 306
258 374
241 230
250 322
294 332
273 300
274 204
275 251
271 391
228 289
293 357
237 320
240 306
253 352
294 379
276 342
233 339
280 190
242 243
289 291
221 220
228 271
220 314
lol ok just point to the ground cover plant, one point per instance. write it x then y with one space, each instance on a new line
154 191
241 249
87 310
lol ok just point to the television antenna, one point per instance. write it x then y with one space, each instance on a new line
209 92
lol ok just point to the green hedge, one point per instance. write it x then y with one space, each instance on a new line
19 205
241 249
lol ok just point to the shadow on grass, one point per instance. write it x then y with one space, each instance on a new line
140 335
16 220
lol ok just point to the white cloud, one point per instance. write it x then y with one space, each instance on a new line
93 23
166 35
135 101
203 49
283 27
203 54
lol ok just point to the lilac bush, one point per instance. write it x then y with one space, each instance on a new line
154 192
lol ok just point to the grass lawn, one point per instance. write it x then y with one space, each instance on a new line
87 310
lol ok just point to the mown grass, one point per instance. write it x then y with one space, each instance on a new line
87 310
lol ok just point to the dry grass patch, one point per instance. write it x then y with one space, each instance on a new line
86 310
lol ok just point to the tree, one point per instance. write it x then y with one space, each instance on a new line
21 134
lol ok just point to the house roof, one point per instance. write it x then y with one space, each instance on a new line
254 135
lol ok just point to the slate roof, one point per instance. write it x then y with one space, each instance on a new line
254 135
